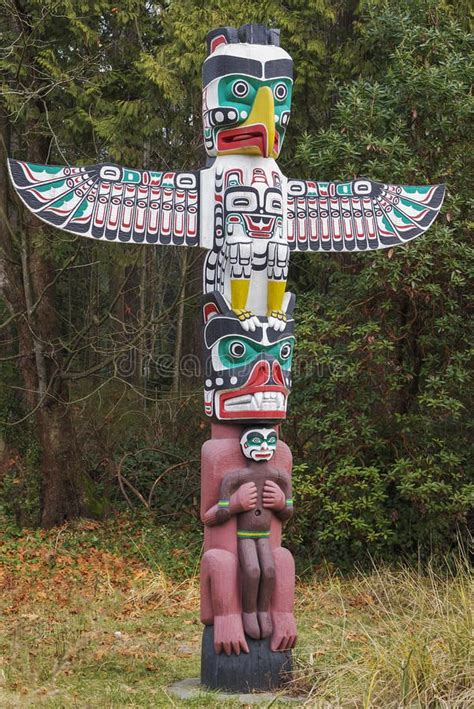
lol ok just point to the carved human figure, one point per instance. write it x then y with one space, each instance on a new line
255 494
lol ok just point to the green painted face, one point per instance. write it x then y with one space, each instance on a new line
240 351
246 98
259 443
239 92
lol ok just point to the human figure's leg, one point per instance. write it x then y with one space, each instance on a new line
284 625
220 600
267 585
250 569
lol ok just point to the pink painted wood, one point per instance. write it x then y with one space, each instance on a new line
220 573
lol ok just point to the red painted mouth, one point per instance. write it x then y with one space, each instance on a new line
266 455
259 227
258 399
254 136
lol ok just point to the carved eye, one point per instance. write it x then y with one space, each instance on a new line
285 351
280 92
237 349
240 89
241 201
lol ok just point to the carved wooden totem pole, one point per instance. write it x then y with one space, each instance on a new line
249 217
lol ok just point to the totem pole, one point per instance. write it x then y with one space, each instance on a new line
248 216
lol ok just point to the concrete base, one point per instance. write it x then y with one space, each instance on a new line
259 670
192 689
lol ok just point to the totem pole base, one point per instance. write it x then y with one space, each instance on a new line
260 670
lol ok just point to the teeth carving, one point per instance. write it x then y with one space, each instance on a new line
245 399
260 401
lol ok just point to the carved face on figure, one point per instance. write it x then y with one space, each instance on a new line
247 85
254 209
247 374
259 443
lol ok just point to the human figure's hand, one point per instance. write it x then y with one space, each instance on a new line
273 496
244 499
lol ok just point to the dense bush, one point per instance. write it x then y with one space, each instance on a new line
381 412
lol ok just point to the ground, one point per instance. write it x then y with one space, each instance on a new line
106 615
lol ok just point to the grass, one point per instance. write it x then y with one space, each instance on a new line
106 615
390 639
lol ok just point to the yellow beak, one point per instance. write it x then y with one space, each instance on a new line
261 122
263 112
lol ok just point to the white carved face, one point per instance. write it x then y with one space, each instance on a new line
246 99
259 443
253 203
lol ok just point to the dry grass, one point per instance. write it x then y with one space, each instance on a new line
86 626
389 639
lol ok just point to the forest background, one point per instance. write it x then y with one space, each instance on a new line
101 410
100 398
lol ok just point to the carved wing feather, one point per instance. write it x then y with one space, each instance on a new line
111 202
358 216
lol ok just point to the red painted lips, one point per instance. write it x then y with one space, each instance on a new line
259 227
254 136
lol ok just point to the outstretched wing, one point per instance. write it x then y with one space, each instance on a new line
358 215
113 203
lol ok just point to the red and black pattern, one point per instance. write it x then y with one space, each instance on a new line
359 215
113 203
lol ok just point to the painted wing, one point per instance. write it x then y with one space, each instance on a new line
358 216
112 203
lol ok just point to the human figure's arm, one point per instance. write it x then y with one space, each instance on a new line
235 496
277 495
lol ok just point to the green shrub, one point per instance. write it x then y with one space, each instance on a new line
20 487
381 425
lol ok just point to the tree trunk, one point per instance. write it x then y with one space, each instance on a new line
63 478
29 290
179 325
63 481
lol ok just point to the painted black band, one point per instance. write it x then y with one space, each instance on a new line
216 67
279 67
